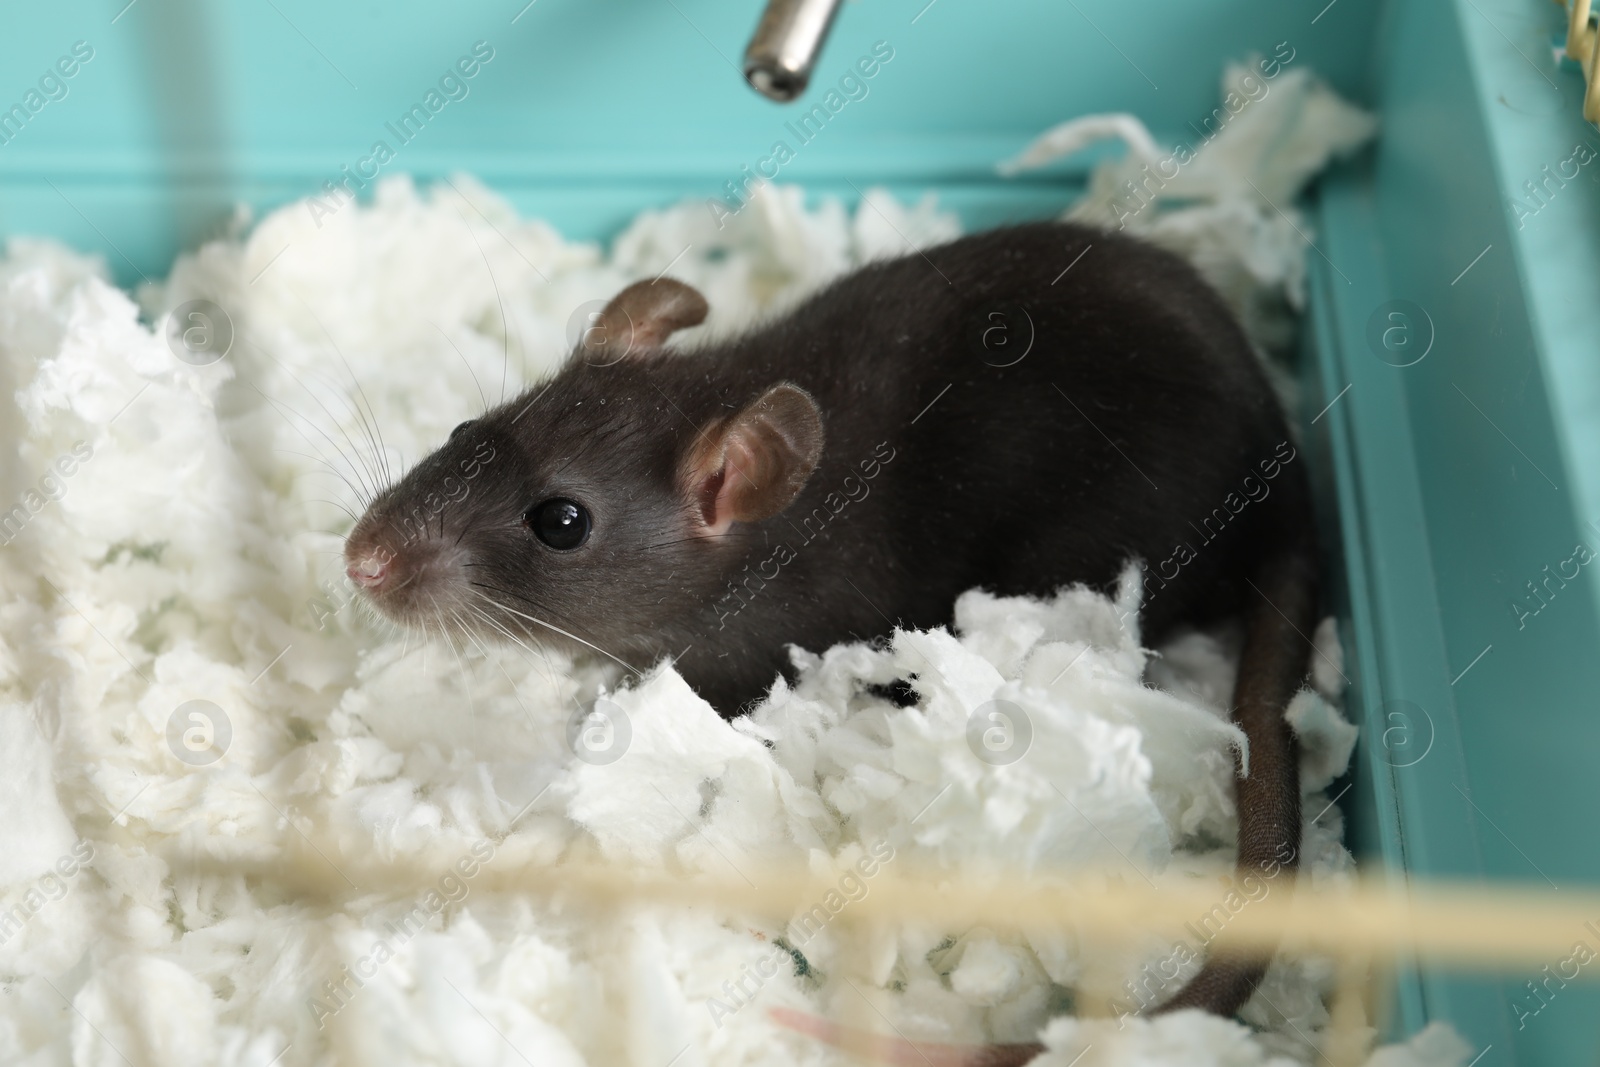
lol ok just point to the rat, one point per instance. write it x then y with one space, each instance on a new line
1018 410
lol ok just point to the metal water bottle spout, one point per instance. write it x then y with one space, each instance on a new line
786 44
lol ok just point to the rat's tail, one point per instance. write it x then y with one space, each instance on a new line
1271 670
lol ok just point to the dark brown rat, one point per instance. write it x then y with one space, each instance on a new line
976 415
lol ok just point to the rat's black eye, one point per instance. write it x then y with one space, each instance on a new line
560 523
461 427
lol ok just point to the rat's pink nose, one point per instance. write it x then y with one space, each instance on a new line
368 572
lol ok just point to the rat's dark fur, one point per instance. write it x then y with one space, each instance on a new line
1128 429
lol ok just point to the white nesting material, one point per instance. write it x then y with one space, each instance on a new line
192 554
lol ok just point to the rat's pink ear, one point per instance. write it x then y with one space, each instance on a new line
752 466
640 318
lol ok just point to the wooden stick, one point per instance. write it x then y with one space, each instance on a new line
1483 926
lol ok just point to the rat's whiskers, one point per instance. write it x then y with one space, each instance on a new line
364 493
550 626
355 449
374 436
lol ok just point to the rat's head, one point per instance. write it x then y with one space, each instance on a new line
593 507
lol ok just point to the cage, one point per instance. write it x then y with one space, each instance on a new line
1448 393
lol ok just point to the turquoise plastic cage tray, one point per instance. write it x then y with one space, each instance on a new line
1453 384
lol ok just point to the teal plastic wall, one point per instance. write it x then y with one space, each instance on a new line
1461 477
588 111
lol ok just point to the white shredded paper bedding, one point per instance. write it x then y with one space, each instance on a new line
178 541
